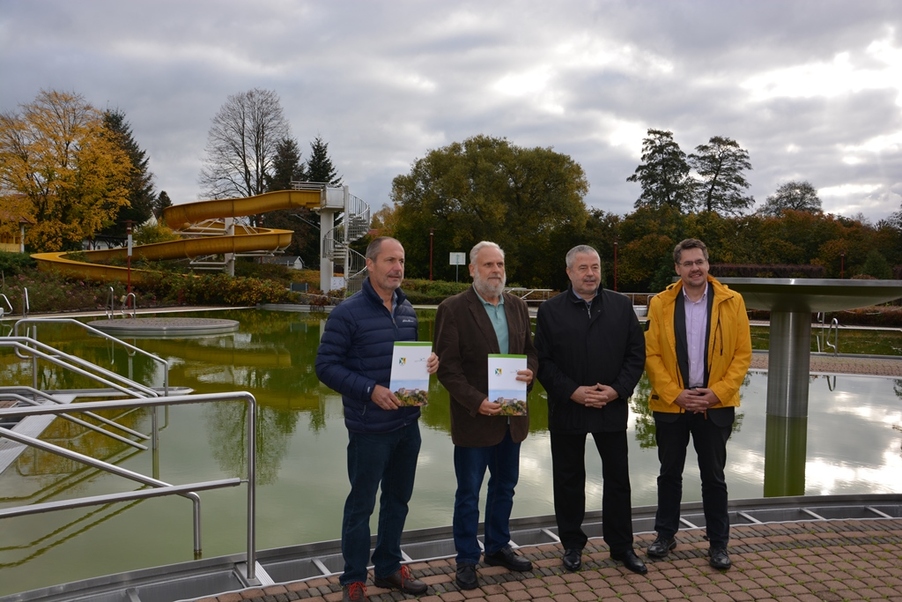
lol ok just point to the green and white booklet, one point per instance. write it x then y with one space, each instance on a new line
409 378
504 388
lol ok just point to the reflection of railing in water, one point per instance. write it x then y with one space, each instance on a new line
158 488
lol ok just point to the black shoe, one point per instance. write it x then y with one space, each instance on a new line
573 559
401 580
719 559
466 576
506 557
354 592
661 547
631 561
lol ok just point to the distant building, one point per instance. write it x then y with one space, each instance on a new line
290 261
14 243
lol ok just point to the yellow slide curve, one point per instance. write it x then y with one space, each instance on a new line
181 217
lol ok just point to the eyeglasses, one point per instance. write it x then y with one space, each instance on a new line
697 263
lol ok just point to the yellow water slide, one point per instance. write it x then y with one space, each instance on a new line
186 218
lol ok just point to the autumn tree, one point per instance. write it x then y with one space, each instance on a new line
486 188
663 173
720 165
242 144
140 183
64 168
797 196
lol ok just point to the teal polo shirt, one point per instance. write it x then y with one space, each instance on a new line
499 321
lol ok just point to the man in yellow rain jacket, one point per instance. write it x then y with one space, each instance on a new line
698 351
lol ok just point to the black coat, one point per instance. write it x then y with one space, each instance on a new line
580 345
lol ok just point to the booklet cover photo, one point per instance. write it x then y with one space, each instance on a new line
409 378
504 388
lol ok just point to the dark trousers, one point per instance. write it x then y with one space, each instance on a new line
470 464
374 459
709 431
568 459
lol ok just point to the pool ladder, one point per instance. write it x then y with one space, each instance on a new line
824 345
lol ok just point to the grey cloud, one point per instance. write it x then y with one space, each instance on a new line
385 81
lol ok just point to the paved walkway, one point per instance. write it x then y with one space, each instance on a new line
818 561
824 363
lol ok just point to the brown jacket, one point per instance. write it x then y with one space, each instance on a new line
464 337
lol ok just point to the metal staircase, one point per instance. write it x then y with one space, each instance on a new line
350 225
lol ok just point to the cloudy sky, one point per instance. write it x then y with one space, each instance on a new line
812 89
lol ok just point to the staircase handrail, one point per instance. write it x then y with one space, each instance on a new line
27 347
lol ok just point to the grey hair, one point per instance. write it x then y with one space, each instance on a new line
689 243
373 249
480 246
579 249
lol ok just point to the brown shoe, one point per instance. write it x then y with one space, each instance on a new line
401 580
354 592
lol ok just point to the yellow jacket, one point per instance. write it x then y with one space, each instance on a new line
729 347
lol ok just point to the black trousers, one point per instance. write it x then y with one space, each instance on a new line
710 432
568 458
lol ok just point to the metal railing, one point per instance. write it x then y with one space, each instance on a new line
129 304
158 488
25 304
131 348
8 304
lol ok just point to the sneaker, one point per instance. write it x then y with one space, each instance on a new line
354 592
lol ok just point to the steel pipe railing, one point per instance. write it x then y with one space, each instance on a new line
251 442
99 333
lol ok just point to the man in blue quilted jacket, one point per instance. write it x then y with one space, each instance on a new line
354 359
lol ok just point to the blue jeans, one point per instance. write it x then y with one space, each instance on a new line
374 458
470 463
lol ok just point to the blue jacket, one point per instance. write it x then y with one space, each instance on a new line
355 355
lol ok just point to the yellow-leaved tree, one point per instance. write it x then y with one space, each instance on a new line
61 169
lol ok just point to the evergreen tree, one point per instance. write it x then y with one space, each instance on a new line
286 166
664 174
319 166
160 203
140 181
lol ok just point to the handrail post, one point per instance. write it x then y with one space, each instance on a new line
251 487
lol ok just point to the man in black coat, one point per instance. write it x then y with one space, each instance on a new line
591 356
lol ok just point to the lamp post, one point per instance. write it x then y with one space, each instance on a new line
615 265
431 238
128 232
